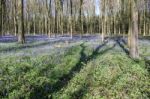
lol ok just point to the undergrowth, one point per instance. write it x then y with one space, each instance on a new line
24 77
80 72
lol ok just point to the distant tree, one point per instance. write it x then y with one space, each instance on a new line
56 17
21 37
15 18
73 16
2 16
80 18
103 18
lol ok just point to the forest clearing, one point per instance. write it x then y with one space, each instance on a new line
74 49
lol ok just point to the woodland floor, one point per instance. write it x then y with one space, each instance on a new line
64 68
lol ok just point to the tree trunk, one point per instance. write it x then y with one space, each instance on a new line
56 21
80 15
71 18
115 25
134 35
21 38
149 29
129 27
34 24
103 20
2 17
15 19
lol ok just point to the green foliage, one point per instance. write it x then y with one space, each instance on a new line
110 75
24 77
78 72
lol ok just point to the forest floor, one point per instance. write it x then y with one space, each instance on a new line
64 68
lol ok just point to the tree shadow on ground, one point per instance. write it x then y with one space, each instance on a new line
144 37
47 90
21 47
147 63
63 81
33 39
121 42
84 89
80 92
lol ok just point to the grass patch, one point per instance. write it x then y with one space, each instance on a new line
110 75
24 77
82 71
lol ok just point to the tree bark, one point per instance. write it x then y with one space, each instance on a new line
134 35
2 16
80 15
71 19
21 37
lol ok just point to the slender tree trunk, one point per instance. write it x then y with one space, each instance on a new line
119 29
45 25
39 27
29 28
144 24
15 26
62 23
115 25
15 19
134 35
49 17
34 24
104 20
129 27
21 38
80 15
62 17
71 18
2 17
56 17
149 29
100 25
